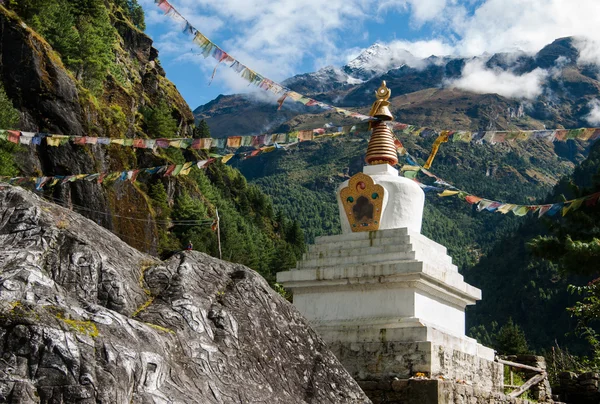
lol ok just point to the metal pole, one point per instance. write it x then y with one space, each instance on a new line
219 233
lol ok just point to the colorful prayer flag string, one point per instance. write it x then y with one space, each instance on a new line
232 142
170 170
445 189
210 49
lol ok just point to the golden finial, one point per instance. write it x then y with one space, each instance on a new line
382 149
380 108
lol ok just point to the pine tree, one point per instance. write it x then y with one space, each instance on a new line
9 119
9 116
511 340
201 130
159 121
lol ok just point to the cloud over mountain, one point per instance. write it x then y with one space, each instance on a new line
478 78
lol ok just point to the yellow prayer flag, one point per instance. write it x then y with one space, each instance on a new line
577 203
507 207
448 193
53 141
227 158
187 167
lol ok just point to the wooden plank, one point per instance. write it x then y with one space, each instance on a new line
519 365
527 385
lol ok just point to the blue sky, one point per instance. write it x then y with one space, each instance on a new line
285 37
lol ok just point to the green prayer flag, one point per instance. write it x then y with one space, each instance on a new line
410 174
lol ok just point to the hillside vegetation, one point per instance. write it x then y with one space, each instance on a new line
101 76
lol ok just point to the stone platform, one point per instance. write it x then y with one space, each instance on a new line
390 303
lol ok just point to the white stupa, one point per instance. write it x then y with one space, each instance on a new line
387 300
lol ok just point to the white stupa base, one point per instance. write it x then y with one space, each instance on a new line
402 203
390 303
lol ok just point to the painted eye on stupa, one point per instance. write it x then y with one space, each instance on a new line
350 199
375 195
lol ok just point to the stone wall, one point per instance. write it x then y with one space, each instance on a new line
582 389
385 360
428 391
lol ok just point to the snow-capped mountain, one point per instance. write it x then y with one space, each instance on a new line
375 60
423 92
323 80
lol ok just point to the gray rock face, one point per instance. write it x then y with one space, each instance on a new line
84 318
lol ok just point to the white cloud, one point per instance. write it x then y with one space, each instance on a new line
276 37
589 50
477 78
422 49
507 25
593 117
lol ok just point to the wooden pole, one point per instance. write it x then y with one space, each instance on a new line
519 365
219 233
527 385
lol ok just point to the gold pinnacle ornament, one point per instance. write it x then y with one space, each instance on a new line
381 148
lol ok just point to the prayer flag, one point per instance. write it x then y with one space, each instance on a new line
247 140
187 167
13 136
281 100
170 170
448 193
505 208
520 210
412 175
162 143
472 199
52 141
234 141
205 143
258 141
554 209
177 170
305 135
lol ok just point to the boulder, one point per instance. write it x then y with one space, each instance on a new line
85 318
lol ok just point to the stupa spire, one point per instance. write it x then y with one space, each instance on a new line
381 148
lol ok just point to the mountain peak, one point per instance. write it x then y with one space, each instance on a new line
375 60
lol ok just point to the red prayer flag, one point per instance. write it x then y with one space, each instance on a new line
472 199
13 136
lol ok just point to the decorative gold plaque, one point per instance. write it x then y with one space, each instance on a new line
363 201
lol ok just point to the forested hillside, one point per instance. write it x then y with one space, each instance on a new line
529 272
86 68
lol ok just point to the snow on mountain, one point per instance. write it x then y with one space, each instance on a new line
374 61
321 81
379 59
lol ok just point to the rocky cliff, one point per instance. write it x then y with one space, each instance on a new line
85 318
51 99
86 68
